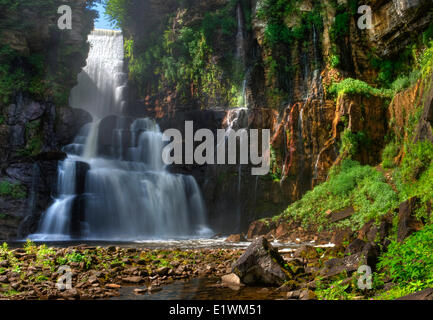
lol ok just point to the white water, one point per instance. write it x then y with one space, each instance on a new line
102 82
128 194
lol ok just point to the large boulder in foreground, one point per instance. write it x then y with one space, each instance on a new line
261 264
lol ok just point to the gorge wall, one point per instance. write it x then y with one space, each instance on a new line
39 64
184 64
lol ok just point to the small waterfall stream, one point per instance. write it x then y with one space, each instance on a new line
120 189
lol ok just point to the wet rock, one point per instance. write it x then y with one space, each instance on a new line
293 294
236 238
288 286
69 122
71 293
141 290
261 264
153 289
132 279
162 271
231 279
307 295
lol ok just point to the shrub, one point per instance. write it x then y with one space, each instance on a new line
16 191
388 155
411 262
349 184
354 86
351 142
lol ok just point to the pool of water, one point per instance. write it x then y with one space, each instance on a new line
201 289
182 244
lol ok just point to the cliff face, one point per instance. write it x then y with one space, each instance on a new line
294 53
38 66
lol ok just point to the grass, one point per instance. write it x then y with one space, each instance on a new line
349 184
389 154
354 86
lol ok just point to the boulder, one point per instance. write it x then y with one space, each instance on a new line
341 215
367 256
407 222
372 232
307 295
231 280
236 238
258 228
261 264
306 252
282 231
341 236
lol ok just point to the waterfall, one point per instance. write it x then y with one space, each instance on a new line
114 184
240 35
102 82
241 53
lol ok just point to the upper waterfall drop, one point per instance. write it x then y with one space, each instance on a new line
102 82
114 184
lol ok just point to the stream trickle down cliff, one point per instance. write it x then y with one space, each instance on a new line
123 192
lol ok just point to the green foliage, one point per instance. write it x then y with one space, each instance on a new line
389 153
352 142
340 27
349 184
418 157
411 263
117 12
354 86
404 82
337 290
426 62
279 38
182 57
30 74
75 257
334 60
275 171
15 191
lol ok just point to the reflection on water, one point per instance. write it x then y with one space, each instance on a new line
201 289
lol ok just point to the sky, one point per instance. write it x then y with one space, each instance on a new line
102 22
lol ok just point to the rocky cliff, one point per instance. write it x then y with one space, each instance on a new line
39 64
296 56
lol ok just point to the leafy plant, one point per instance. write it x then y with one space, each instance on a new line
15 191
411 263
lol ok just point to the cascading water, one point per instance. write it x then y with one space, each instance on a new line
123 191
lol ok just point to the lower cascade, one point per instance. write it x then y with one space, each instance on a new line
114 185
